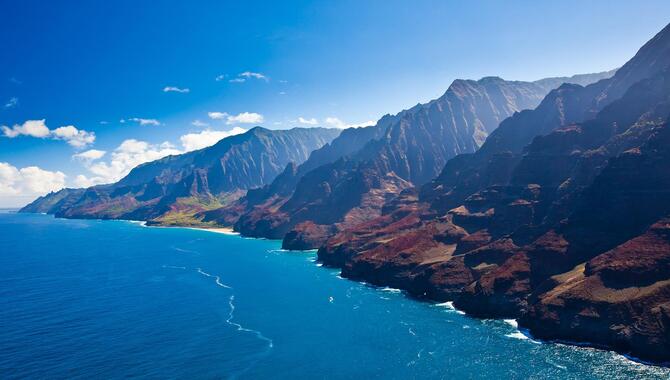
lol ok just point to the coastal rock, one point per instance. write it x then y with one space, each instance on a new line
618 299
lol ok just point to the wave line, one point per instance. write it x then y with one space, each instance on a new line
216 278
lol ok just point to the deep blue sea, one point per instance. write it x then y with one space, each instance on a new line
114 299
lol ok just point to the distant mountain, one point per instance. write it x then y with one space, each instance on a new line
349 180
170 190
560 219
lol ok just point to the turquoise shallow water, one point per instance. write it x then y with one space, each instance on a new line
113 299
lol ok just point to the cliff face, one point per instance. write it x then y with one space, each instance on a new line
559 219
172 189
349 180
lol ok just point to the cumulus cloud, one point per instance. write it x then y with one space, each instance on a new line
217 115
19 186
219 78
311 121
240 118
90 155
208 137
127 155
176 89
133 152
77 138
34 128
12 102
245 118
84 181
337 123
144 121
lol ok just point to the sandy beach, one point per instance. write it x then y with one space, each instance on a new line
218 230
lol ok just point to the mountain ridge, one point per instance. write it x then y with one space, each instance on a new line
412 145
208 176
559 219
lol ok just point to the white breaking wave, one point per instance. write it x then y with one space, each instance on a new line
391 290
231 315
277 250
520 335
216 278
138 222
449 305
239 327
517 335
512 322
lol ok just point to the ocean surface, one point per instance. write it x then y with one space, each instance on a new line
115 299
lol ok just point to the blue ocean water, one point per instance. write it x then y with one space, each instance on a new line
113 299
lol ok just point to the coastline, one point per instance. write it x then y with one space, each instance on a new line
218 230
520 329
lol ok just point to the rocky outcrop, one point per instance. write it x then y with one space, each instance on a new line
619 299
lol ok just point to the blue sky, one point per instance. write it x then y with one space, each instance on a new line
138 79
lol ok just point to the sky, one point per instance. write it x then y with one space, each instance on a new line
89 89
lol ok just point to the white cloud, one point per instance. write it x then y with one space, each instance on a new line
176 89
19 186
240 118
217 115
237 80
144 121
83 181
198 123
337 123
311 121
12 102
90 155
34 128
125 157
132 152
219 78
245 118
77 138
250 74
282 92
208 137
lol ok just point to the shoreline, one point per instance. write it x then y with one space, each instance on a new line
217 230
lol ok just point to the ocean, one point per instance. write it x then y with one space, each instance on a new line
115 299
